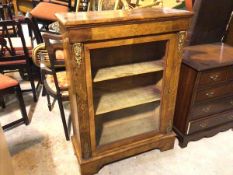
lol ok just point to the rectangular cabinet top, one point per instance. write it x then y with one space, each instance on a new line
132 15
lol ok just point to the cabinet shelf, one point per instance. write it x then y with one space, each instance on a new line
128 123
115 72
111 101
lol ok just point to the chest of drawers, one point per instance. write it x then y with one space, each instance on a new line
204 104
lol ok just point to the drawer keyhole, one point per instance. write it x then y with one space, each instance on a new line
214 77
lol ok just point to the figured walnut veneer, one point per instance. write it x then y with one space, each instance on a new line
123 69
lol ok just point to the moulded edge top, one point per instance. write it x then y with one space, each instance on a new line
208 56
115 16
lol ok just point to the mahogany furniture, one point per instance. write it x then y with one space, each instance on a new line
6 164
121 67
204 104
9 85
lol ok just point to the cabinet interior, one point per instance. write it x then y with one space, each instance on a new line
127 84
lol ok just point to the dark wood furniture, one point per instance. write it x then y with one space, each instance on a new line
15 52
54 77
204 104
229 35
121 67
7 86
208 26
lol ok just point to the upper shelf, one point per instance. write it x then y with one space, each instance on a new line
112 101
115 72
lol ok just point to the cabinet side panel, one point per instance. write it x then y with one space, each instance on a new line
170 82
184 97
72 93
75 66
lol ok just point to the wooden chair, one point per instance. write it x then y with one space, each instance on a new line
44 12
15 52
6 13
7 86
54 80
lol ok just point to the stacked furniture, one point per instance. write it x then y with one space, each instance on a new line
204 103
121 67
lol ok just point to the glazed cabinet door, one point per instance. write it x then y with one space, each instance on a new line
131 88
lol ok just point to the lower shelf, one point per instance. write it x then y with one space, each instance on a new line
127 123
112 101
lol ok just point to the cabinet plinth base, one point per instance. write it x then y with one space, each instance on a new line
185 139
94 164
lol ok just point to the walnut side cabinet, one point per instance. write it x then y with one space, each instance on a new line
123 69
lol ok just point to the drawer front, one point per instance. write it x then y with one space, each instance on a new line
202 124
214 92
213 76
212 107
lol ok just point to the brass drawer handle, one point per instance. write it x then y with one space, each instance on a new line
214 77
206 109
210 94
204 124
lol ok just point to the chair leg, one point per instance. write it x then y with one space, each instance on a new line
2 102
43 91
31 79
36 31
21 104
63 118
49 102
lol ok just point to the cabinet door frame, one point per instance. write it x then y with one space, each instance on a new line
169 87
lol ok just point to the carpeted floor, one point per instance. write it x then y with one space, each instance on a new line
41 149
